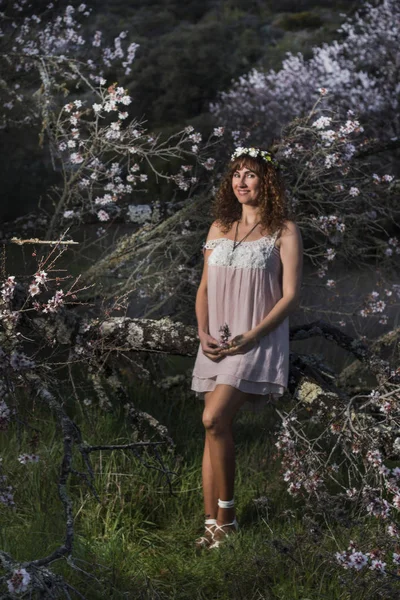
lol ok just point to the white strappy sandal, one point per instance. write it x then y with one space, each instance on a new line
205 540
220 534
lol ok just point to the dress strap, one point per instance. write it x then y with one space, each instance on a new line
275 236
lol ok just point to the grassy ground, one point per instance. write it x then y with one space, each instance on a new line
138 541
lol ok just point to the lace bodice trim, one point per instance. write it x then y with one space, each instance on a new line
251 255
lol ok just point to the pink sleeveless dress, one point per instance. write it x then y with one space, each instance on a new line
243 286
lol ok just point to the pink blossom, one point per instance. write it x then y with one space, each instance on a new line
387 178
218 131
4 415
76 158
34 289
358 560
396 472
97 39
331 159
396 502
393 531
28 458
374 457
328 136
330 253
7 290
41 277
322 122
354 191
6 495
378 565
19 581
103 216
341 557
55 302
126 100
209 164
195 137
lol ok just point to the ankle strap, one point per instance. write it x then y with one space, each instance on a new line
226 503
234 523
210 522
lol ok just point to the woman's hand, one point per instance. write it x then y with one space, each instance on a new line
240 344
210 346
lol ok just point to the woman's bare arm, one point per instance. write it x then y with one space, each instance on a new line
208 343
292 262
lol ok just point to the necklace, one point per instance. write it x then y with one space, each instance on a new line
235 243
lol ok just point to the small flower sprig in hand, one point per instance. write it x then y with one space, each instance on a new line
240 344
225 335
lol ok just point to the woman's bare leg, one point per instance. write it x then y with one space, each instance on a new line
221 405
210 490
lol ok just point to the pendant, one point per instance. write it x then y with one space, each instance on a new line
230 258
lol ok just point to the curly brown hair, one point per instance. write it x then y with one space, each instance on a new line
272 199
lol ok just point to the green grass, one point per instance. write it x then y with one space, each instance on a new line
138 541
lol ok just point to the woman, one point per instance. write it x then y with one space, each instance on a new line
250 284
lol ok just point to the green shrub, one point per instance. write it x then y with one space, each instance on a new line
296 6
298 21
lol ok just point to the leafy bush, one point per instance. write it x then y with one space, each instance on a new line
293 6
297 21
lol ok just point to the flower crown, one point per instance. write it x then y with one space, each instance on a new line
254 152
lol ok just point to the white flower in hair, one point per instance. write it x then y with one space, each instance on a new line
254 152
239 150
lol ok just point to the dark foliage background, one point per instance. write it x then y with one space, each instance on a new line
188 53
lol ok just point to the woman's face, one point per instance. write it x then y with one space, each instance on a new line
246 186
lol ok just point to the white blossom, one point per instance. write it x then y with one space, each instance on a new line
34 289
354 191
76 158
19 581
378 565
218 131
358 560
322 122
28 458
103 216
